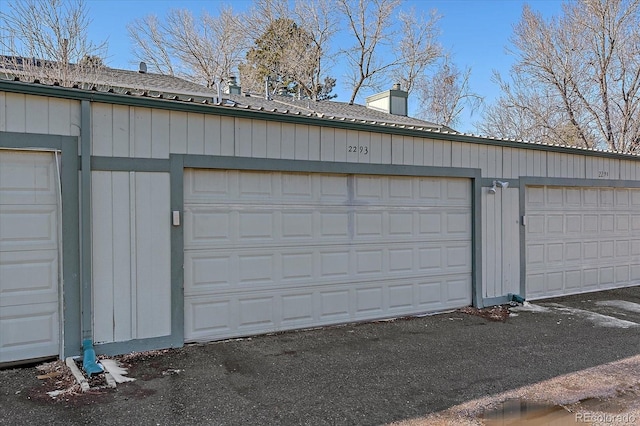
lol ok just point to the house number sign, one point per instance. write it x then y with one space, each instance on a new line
364 150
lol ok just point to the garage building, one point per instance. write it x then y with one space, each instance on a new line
144 221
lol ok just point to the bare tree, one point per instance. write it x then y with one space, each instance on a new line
418 48
48 40
150 46
577 76
370 23
289 42
206 50
319 20
444 96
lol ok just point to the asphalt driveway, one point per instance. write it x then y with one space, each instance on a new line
356 374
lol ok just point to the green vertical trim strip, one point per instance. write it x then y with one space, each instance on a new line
523 243
177 250
476 243
85 221
71 316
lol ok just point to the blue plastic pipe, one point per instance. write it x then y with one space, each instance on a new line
89 364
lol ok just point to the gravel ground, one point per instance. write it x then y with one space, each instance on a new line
419 368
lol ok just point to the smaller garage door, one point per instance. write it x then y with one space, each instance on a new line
581 239
275 251
29 311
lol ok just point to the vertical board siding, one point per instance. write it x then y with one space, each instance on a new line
178 132
3 112
103 251
364 147
301 142
340 147
418 151
160 133
152 255
397 149
327 144
385 143
227 135
195 134
243 137
130 256
274 136
408 150
60 117
212 141
102 139
510 280
16 112
287 142
491 243
314 143
351 146
120 130
38 114
141 143
259 139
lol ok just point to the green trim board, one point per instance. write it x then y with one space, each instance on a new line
350 124
547 181
128 164
488 182
176 183
85 220
268 164
71 312
610 183
476 244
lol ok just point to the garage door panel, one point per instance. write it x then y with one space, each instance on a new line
29 256
27 178
28 278
317 252
28 331
595 248
243 314
32 227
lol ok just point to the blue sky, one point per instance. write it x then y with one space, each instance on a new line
475 31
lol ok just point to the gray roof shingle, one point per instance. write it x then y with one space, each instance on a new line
135 82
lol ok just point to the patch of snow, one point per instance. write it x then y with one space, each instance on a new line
622 304
598 319
529 307
117 372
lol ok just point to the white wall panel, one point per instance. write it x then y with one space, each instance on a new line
212 141
130 256
178 132
160 133
195 133
141 133
38 114
301 142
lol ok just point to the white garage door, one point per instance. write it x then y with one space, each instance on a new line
29 312
581 239
275 251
